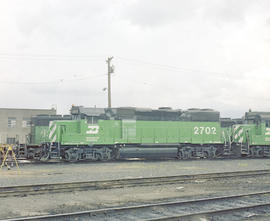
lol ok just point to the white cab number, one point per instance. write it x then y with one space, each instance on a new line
205 130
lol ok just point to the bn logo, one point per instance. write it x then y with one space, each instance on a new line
92 130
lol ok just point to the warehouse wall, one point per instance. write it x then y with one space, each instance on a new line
15 123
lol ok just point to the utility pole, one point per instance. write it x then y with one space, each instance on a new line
110 71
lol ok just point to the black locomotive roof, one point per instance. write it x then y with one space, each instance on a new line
256 115
88 111
147 114
44 120
195 114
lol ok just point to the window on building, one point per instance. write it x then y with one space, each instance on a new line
26 122
11 122
11 140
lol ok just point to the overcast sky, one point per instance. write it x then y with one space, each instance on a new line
177 53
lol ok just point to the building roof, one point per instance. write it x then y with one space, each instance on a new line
27 109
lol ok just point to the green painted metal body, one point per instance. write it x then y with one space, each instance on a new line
253 134
40 134
110 132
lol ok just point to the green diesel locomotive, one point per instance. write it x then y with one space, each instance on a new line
252 136
107 134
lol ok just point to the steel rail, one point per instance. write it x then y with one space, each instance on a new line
146 208
9 191
210 213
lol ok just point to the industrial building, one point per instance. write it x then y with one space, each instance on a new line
15 124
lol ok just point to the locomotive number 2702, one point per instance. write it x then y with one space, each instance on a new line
205 130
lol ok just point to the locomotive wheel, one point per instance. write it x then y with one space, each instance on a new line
45 157
205 154
115 154
105 158
179 155
98 157
261 153
101 157
66 156
70 156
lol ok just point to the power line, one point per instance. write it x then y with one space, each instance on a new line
168 67
52 57
61 80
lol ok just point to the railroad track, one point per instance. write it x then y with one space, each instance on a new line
244 205
35 189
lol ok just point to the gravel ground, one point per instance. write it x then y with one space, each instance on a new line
68 172
75 201
86 200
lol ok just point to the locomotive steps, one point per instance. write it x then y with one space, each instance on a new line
49 188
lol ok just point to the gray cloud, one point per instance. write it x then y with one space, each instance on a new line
153 13
196 53
228 11
57 22
268 21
